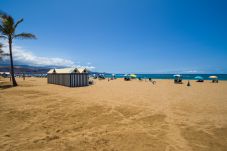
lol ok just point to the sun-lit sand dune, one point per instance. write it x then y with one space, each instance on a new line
114 116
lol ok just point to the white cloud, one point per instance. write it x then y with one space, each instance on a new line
26 57
88 67
192 71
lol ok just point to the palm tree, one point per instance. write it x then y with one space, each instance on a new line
1 52
7 31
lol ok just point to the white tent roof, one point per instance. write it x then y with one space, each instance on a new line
4 72
51 71
64 70
82 70
68 70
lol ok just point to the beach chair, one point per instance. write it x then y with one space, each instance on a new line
178 81
215 81
127 78
140 79
101 77
200 81
91 82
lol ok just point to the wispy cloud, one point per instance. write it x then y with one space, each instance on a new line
23 56
88 67
192 71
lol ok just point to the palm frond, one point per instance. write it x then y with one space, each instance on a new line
7 24
2 14
1 29
18 22
7 20
24 36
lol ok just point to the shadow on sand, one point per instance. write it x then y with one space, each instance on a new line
5 86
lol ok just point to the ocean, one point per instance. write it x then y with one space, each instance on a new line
170 76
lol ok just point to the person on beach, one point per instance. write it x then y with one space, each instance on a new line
153 82
189 84
23 75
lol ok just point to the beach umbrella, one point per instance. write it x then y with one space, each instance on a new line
133 76
199 78
177 75
213 77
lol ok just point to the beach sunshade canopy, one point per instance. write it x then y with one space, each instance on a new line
177 75
133 76
199 78
213 77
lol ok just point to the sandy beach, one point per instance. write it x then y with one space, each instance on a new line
114 116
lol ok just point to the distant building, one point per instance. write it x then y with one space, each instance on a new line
71 77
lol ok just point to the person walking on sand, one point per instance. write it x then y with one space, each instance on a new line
189 84
23 75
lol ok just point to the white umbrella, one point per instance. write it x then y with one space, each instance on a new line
177 75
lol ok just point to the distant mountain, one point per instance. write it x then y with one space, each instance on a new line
25 69
30 69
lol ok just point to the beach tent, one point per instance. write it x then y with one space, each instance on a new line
71 77
5 74
68 70
199 78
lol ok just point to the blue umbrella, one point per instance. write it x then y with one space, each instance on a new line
199 78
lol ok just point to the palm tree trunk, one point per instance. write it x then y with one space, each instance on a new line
11 62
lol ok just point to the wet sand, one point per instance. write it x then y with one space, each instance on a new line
114 116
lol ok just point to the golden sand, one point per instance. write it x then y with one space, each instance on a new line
114 116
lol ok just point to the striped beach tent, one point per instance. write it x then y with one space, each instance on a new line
71 77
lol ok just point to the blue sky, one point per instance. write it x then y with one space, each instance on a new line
141 36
